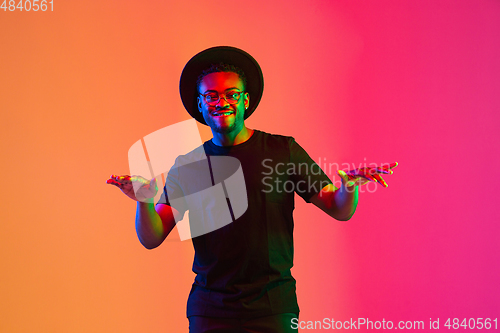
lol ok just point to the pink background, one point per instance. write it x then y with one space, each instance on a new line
354 82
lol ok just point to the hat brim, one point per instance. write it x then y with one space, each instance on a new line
215 55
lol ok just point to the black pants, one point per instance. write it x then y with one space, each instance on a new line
280 323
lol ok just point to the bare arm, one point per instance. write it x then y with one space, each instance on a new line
153 224
341 203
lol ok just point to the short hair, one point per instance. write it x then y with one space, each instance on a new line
222 67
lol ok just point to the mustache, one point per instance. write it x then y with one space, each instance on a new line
219 108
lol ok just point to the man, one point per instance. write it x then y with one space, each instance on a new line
243 281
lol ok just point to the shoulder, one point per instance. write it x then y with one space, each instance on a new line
275 139
195 155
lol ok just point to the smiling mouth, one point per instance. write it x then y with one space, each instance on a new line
222 113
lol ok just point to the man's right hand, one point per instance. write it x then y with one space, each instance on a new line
145 190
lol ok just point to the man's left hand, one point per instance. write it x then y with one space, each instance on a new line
361 176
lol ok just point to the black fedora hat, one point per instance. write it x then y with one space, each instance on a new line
215 55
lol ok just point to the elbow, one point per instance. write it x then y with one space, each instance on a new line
148 244
347 213
343 216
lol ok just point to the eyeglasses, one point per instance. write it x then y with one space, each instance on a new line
232 97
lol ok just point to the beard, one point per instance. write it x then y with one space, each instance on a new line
237 125
223 130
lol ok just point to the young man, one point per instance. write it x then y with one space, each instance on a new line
243 281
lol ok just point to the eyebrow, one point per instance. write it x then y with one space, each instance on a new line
224 90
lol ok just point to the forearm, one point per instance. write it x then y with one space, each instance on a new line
339 203
346 201
149 226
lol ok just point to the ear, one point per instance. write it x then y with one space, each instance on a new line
199 104
247 100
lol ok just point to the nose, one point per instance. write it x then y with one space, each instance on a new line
222 103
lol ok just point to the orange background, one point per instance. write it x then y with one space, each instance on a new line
353 82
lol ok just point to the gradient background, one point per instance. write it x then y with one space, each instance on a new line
374 81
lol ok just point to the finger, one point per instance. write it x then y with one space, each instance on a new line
363 176
114 182
372 171
391 166
361 181
351 177
345 177
121 179
366 172
381 180
384 170
152 183
388 168
370 177
351 173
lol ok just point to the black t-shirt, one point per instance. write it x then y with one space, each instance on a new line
243 268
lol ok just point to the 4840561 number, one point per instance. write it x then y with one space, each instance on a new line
472 323
28 5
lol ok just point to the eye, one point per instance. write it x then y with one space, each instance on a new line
211 97
232 95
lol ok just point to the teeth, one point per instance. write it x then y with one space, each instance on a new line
222 113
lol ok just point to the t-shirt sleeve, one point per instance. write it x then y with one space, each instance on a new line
308 177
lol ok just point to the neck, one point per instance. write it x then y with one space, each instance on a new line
232 138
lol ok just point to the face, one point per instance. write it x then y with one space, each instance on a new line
223 117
